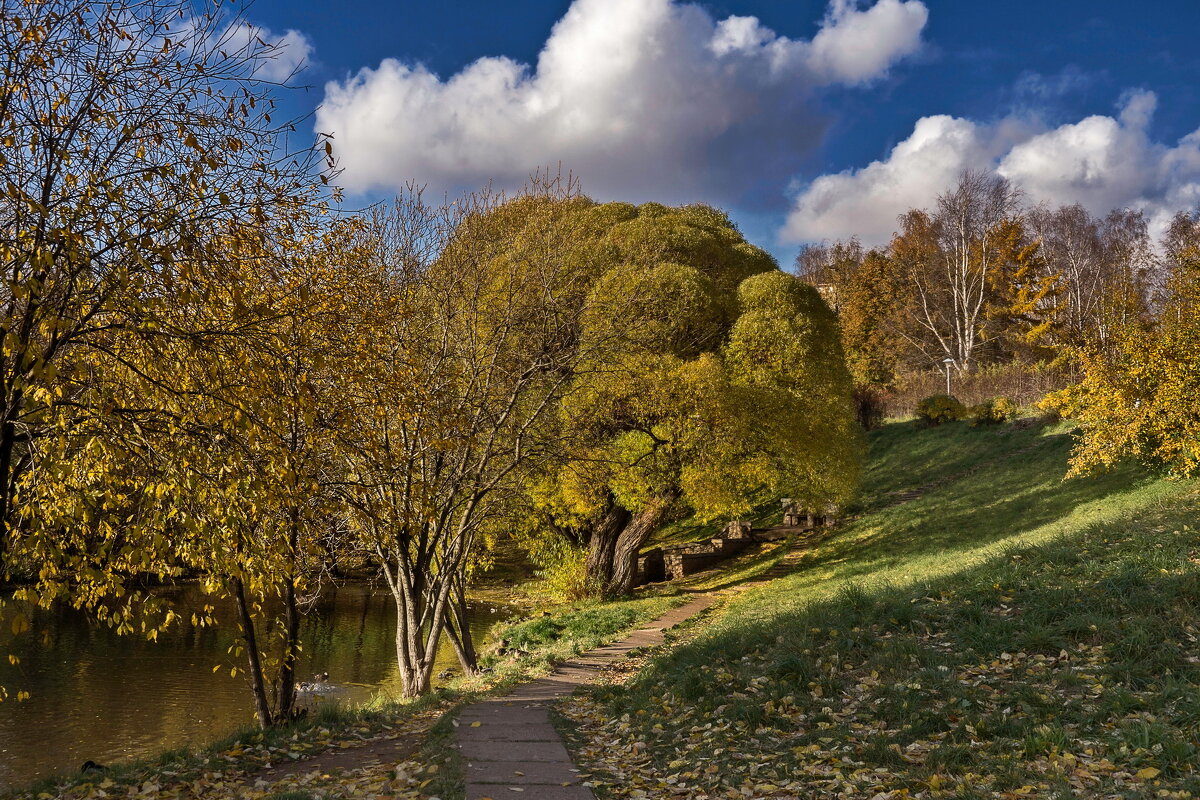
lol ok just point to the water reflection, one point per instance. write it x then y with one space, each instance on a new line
107 698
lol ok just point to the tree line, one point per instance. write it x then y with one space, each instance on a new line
983 278
211 372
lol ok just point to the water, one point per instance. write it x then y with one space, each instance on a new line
103 697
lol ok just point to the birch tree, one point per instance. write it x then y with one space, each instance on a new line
1073 247
949 257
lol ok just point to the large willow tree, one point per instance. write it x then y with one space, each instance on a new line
711 381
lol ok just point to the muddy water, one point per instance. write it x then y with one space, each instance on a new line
104 697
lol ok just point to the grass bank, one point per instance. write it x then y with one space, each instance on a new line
979 629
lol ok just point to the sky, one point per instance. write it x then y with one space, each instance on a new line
805 120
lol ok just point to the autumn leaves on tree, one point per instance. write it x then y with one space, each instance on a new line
207 374
982 281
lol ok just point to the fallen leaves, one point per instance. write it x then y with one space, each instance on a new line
827 716
256 770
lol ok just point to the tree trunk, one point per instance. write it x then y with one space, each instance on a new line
8 435
262 706
286 699
411 647
464 647
630 541
287 668
459 631
602 546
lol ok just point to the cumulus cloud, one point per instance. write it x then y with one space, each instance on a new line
1102 162
855 46
642 98
287 54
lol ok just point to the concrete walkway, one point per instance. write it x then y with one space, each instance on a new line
511 748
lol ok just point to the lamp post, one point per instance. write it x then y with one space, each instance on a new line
948 362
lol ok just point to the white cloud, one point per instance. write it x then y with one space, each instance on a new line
1102 162
287 55
641 98
855 46
866 202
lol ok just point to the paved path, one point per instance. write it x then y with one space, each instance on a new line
511 748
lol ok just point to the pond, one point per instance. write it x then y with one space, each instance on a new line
103 697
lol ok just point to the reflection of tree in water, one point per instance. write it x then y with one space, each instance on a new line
107 698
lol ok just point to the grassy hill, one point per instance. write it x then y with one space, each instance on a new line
980 628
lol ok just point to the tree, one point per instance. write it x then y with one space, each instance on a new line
207 456
1073 248
662 298
831 268
785 346
673 420
1140 394
1023 305
463 343
947 259
132 129
260 481
874 315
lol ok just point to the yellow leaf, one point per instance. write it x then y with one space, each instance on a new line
476 724
1149 773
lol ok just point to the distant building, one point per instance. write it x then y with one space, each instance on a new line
829 294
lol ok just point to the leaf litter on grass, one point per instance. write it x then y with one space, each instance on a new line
242 772
979 688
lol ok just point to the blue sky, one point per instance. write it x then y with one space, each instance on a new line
812 120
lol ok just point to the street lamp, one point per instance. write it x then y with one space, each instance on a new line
948 362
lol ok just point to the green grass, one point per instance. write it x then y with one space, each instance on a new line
584 626
535 645
1006 634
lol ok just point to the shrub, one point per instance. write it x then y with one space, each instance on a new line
566 577
938 409
1024 384
869 407
992 412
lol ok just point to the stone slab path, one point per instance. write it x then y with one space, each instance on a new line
511 748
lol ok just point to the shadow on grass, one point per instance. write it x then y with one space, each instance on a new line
968 674
744 569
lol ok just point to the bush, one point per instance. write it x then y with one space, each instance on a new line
869 407
938 409
566 577
1024 384
992 412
